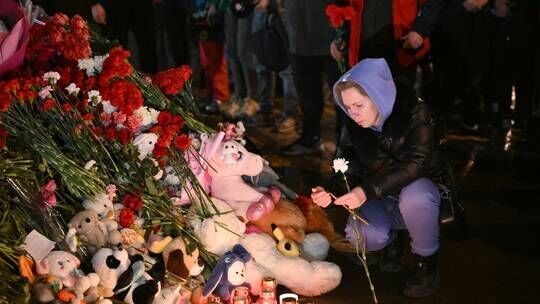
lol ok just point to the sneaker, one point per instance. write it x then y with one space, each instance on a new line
303 146
286 125
231 109
249 107
261 119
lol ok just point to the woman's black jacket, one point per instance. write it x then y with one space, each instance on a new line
382 163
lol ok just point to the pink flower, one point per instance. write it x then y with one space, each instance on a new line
47 193
119 118
106 119
111 191
134 123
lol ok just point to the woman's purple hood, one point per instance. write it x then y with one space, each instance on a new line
374 76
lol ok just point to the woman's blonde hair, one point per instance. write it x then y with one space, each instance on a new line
344 85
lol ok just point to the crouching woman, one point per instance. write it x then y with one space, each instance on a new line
389 141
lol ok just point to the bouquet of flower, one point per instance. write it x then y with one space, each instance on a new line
82 131
337 15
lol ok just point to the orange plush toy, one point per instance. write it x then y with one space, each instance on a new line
296 219
316 218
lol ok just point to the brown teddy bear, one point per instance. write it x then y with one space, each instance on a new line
296 219
92 230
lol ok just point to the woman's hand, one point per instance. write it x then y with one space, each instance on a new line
353 199
320 196
335 50
412 40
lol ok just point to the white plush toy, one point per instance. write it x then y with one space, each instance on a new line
109 264
218 233
103 206
297 274
145 144
65 266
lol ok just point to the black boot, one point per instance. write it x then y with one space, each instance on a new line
390 259
425 279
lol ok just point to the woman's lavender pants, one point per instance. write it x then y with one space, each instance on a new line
416 209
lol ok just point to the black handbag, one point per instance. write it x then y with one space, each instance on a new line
452 217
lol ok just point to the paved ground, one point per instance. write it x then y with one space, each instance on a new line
498 262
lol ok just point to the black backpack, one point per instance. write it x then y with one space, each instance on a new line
270 44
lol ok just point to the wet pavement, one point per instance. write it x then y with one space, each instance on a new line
499 260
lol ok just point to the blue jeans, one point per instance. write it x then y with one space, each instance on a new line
416 209
266 79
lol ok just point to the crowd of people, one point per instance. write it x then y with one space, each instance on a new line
473 62
479 58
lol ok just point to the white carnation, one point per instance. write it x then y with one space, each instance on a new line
87 65
94 97
98 62
108 107
340 165
72 89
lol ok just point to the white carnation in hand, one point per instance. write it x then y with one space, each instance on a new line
340 165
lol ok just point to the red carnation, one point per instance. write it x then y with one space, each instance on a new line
126 217
124 136
338 14
124 95
79 27
116 65
66 107
110 133
159 152
164 118
132 202
59 18
48 104
182 142
75 48
5 101
88 116
172 81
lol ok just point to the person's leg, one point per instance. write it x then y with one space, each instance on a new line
307 71
290 96
378 234
215 66
231 36
288 120
419 204
245 55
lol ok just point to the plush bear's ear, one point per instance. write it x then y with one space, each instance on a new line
213 280
241 252
212 145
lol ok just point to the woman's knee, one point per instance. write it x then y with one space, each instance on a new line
376 238
422 193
